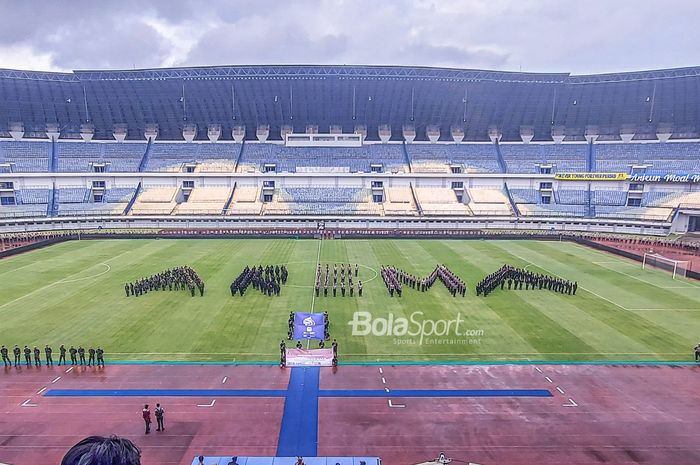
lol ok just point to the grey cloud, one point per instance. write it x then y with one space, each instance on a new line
544 35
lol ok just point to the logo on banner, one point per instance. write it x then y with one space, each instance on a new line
309 325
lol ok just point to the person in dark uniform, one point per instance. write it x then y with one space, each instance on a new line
62 356
91 356
126 289
81 354
37 357
27 356
356 270
299 345
160 418
697 352
321 344
5 358
48 351
16 353
359 289
574 287
146 414
334 346
73 358
100 357
283 347
335 289
325 290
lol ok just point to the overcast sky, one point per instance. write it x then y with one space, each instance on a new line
581 37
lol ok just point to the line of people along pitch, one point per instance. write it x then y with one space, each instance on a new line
179 278
394 278
268 280
33 357
345 270
514 278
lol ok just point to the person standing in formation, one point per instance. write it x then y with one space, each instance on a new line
48 351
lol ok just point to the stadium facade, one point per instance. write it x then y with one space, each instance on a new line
354 146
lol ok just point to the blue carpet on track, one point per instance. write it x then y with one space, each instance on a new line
299 430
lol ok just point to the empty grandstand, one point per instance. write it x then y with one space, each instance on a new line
589 168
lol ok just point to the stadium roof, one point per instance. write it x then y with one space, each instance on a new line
302 95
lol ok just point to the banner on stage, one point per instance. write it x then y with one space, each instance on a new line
309 325
309 357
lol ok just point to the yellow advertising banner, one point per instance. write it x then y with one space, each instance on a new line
591 176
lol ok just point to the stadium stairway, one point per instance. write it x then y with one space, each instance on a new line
133 199
230 198
53 203
501 160
238 158
513 205
591 158
415 200
146 157
406 157
590 208
53 160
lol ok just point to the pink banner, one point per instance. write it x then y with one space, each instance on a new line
309 357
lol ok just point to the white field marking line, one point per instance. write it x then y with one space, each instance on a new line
383 380
109 268
580 287
548 378
224 380
370 268
60 281
41 390
69 369
392 405
664 309
644 280
571 404
207 405
386 389
381 371
560 390
27 403
603 263
538 369
313 291
52 382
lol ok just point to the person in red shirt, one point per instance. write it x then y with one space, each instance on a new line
147 418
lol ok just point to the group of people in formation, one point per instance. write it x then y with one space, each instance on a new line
394 278
267 280
515 278
345 271
77 356
180 278
326 327
299 345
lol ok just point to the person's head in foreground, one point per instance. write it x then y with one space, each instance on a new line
98 450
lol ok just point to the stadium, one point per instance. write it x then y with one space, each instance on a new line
520 254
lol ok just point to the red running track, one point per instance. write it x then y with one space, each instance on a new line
599 414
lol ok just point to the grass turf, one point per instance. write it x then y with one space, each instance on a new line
73 293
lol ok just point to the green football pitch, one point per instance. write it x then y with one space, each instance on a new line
73 293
